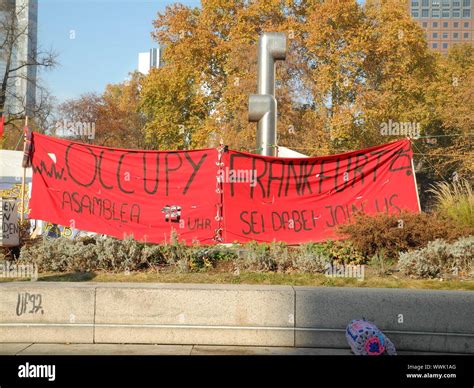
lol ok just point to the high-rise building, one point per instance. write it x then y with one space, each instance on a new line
21 91
149 60
446 22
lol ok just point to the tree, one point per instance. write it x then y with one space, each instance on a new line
371 65
120 120
113 116
451 98
349 69
14 36
78 118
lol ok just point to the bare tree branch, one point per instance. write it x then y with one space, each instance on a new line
13 33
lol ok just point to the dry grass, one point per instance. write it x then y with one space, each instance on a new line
455 200
371 280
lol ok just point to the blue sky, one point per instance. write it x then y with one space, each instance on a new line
109 34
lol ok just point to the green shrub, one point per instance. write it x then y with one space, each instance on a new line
380 263
343 252
439 258
153 254
280 254
312 258
178 255
455 200
399 232
59 255
105 253
119 255
202 258
109 254
257 257
197 258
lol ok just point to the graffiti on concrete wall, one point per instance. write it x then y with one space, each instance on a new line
29 304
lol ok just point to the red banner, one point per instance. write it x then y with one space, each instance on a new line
215 196
120 192
302 200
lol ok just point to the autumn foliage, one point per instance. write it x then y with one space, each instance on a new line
351 68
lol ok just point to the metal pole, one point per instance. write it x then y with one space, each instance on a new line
23 179
271 47
263 110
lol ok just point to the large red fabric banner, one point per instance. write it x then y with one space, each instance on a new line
301 200
121 192
213 195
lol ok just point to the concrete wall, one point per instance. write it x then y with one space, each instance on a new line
196 314
42 312
416 320
420 320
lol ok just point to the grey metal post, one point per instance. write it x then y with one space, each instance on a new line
271 47
262 109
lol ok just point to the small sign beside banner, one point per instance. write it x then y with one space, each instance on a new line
9 229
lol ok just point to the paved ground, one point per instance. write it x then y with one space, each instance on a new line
30 349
